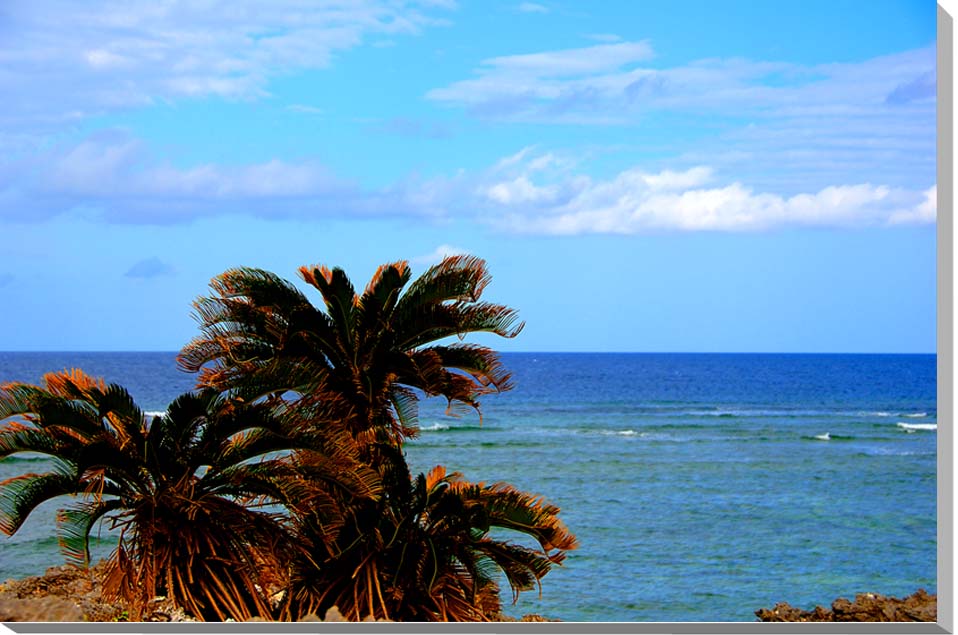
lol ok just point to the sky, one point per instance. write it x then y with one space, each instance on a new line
726 176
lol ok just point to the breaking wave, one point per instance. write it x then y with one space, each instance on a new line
914 427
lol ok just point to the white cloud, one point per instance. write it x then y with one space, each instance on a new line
437 254
532 191
635 201
116 176
547 75
66 59
785 126
518 191
535 83
924 212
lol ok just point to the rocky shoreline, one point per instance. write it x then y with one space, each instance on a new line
72 594
867 607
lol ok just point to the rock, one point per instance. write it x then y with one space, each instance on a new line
867 607
63 586
535 617
43 609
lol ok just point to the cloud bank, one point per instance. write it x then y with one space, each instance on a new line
784 125
531 191
115 178
65 61
523 197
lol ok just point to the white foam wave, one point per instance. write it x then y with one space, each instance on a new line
916 415
913 427
623 433
435 426
823 437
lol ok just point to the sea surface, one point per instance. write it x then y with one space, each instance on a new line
701 486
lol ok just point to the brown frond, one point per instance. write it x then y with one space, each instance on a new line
311 274
435 476
72 383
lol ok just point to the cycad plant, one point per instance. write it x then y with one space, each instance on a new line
287 467
358 364
364 357
196 493
435 561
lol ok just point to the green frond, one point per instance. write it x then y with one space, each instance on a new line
49 410
405 404
261 287
20 495
338 295
523 567
16 437
433 322
111 463
455 278
74 524
480 362
374 309
510 508
120 415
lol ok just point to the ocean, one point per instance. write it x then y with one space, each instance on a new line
701 487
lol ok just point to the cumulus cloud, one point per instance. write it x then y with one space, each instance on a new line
531 191
149 268
636 200
925 212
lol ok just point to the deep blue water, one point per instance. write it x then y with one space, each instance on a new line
701 486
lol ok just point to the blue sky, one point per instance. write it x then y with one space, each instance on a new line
731 176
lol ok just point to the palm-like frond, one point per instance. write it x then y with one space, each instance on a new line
347 374
430 556
75 523
189 490
363 356
20 495
510 508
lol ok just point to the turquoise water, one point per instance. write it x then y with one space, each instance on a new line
701 487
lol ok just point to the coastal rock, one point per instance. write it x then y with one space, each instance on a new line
73 594
62 594
41 609
867 607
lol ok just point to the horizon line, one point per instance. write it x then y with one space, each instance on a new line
574 352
